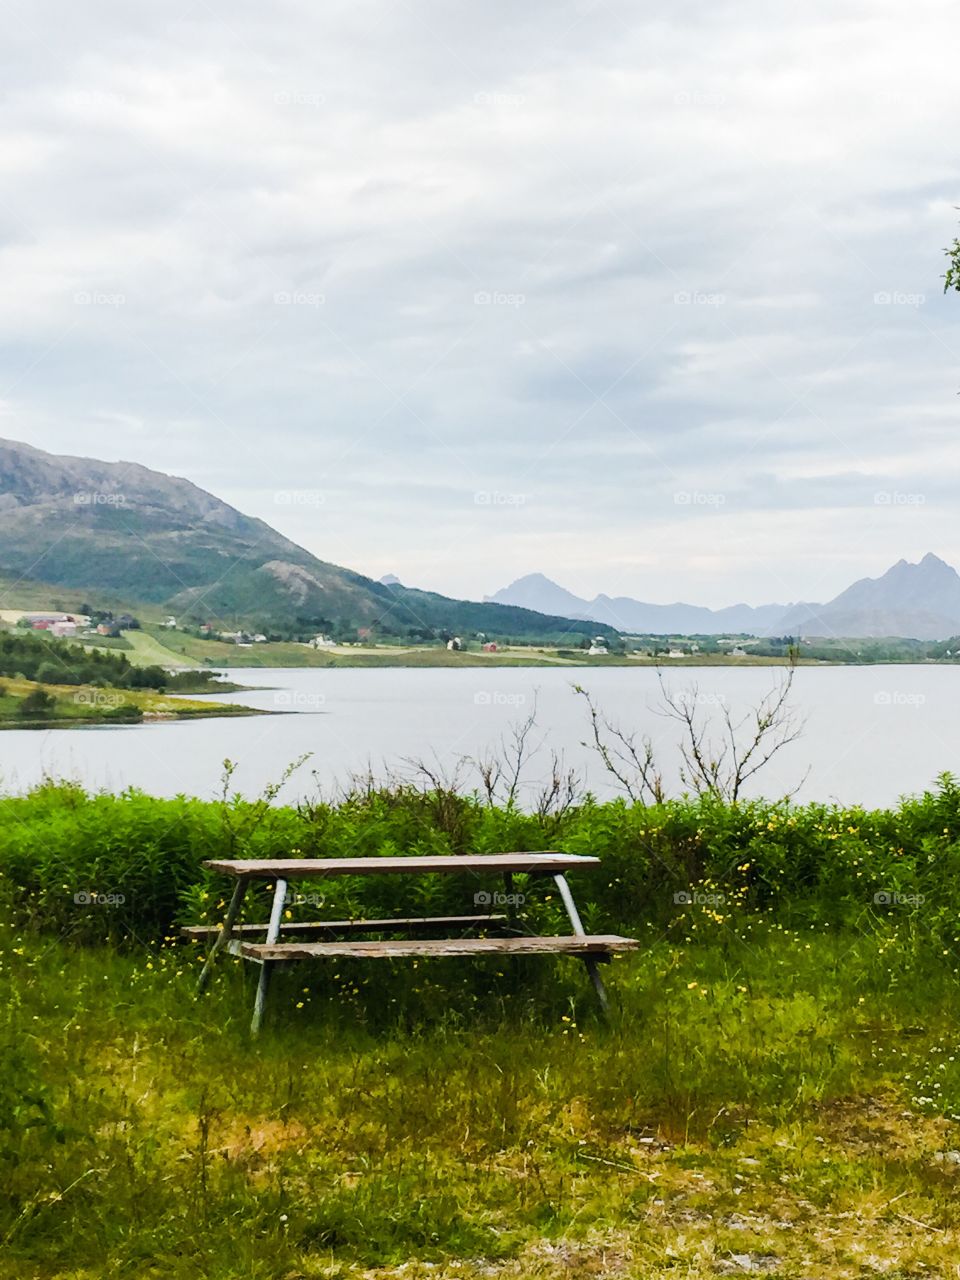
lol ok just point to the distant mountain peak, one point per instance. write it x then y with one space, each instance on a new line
537 591
917 601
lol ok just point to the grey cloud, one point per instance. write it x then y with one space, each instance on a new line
596 253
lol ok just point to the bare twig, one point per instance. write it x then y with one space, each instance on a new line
501 770
632 763
718 767
562 791
721 768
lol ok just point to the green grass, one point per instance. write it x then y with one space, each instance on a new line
777 1089
170 648
74 705
753 1099
147 651
24 593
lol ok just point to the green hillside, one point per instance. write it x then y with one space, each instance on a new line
93 530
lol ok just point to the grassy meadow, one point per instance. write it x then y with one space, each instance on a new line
172 648
777 1090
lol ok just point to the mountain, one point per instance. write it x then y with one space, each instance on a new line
913 601
537 592
919 601
121 528
124 531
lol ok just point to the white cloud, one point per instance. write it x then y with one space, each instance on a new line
570 251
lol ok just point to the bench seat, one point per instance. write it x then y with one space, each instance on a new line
600 944
200 932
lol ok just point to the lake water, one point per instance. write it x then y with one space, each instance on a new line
870 735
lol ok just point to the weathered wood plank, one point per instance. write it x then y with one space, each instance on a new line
587 944
305 868
199 932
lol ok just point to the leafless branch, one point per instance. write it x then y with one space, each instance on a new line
501 770
717 766
562 791
720 768
630 762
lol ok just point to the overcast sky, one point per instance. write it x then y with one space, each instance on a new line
645 297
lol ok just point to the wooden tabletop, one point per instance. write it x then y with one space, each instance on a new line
304 868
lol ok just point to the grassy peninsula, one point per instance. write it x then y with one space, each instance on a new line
49 683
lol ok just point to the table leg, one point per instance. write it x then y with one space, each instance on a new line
233 910
273 932
593 968
511 906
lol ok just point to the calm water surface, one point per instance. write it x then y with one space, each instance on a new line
871 733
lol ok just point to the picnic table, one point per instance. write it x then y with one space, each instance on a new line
331 938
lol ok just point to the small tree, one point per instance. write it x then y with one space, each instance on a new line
715 761
719 767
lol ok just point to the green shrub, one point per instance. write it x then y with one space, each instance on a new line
37 704
126 713
804 864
